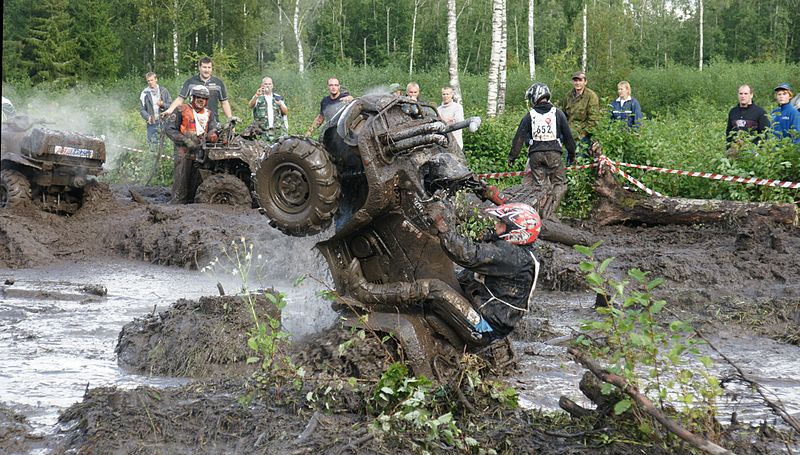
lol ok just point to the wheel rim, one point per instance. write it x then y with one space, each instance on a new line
290 187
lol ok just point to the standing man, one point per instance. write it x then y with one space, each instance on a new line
153 101
412 91
215 86
193 124
582 108
330 105
785 118
452 112
544 129
747 117
269 112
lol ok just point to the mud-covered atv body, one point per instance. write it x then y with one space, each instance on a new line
226 168
47 166
381 159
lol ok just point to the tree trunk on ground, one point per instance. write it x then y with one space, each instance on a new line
617 205
494 60
452 50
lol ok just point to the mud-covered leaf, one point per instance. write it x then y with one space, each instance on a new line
622 406
251 360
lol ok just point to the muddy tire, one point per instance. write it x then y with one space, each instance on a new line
14 189
296 186
223 189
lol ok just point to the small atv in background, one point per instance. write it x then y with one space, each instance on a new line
226 167
51 168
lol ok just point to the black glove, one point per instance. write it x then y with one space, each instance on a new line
570 159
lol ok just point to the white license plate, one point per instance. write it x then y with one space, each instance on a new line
72 151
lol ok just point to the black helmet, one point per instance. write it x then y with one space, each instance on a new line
200 91
537 92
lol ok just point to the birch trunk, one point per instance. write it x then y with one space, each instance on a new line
494 59
413 37
175 13
585 37
701 35
452 49
301 63
501 86
531 48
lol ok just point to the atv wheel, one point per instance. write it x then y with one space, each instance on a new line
14 188
223 189
296 186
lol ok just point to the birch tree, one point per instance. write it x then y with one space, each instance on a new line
495 57
301 61
501 86
531 48
701 35
452 49
417 5
585 37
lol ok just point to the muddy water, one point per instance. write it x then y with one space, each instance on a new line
57 339
547 371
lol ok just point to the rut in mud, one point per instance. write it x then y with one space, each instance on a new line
718 275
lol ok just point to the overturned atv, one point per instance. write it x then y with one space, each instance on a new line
50 167
381 159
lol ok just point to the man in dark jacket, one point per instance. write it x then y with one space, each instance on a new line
746 117
544 129
192 125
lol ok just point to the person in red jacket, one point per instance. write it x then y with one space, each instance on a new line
192 125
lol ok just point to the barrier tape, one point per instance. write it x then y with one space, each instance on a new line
605 162
712 176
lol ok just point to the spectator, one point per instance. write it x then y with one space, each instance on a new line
395 89
796 101
153 101
626 108
270 114
330 105
544 130
192 125
452 112
785 117
412 91
747 117
215 86
582 108
8 109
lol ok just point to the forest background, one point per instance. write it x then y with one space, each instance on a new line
81 64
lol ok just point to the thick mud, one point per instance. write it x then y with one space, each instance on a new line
731 279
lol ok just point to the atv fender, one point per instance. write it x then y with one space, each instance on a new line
21 160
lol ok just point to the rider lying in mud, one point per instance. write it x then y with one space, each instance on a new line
498 277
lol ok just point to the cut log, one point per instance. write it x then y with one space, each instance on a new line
617 205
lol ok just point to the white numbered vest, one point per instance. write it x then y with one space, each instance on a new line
543 126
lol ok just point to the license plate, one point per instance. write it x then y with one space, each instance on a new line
72 151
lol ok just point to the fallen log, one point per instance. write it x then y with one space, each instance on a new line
646 405
618 205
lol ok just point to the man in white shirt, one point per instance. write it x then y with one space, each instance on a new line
269 112
452 112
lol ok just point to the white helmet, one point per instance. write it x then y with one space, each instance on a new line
537 92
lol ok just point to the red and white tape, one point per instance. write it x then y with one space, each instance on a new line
712 176
605 162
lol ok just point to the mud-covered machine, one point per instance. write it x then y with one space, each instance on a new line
381 159
52 168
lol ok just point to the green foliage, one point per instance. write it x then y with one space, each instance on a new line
661 359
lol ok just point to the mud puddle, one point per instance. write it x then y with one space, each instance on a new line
59 326
546 371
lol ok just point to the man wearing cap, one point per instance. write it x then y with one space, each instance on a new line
582 108
746 117
785 117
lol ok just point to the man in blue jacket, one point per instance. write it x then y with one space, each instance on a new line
785 118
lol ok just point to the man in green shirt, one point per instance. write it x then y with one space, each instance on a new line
582 107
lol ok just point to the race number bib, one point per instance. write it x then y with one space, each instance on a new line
543 126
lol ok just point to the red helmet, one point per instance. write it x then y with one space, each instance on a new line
522 221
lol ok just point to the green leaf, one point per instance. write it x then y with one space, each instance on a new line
604 264
622 406
584 250
387 390
251 360
586 266
638 275
658 306
653 283
607 388
706 361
